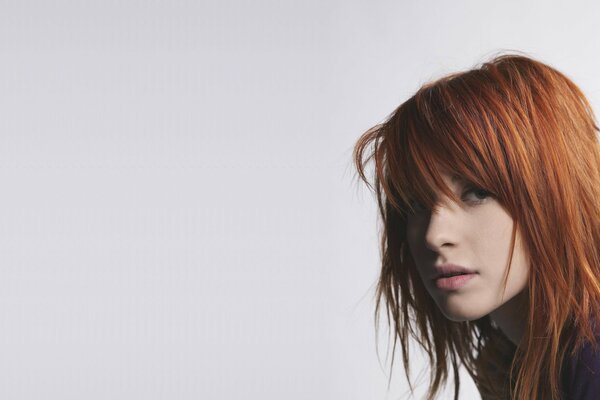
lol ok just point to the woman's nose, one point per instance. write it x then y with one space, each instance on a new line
443 226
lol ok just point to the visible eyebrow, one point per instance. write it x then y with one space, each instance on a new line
457 178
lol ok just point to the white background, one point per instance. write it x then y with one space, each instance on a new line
179 215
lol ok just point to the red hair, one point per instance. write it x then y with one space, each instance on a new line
523 131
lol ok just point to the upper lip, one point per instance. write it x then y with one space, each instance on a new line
451 268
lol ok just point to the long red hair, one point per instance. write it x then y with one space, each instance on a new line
524 131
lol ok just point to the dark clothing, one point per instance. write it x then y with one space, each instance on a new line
581 377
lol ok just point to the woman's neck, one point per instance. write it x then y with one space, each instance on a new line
511 317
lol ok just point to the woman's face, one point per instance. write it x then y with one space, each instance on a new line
474 233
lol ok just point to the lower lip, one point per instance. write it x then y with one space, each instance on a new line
453 282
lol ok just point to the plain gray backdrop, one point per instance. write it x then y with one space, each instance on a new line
180 217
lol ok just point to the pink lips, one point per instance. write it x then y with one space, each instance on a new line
448 269
453 282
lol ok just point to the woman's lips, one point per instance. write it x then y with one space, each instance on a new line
453 282
451 269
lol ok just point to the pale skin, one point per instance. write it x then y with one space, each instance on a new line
476 234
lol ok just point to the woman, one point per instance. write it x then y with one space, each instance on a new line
487 184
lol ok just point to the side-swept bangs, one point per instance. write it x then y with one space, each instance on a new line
462 125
